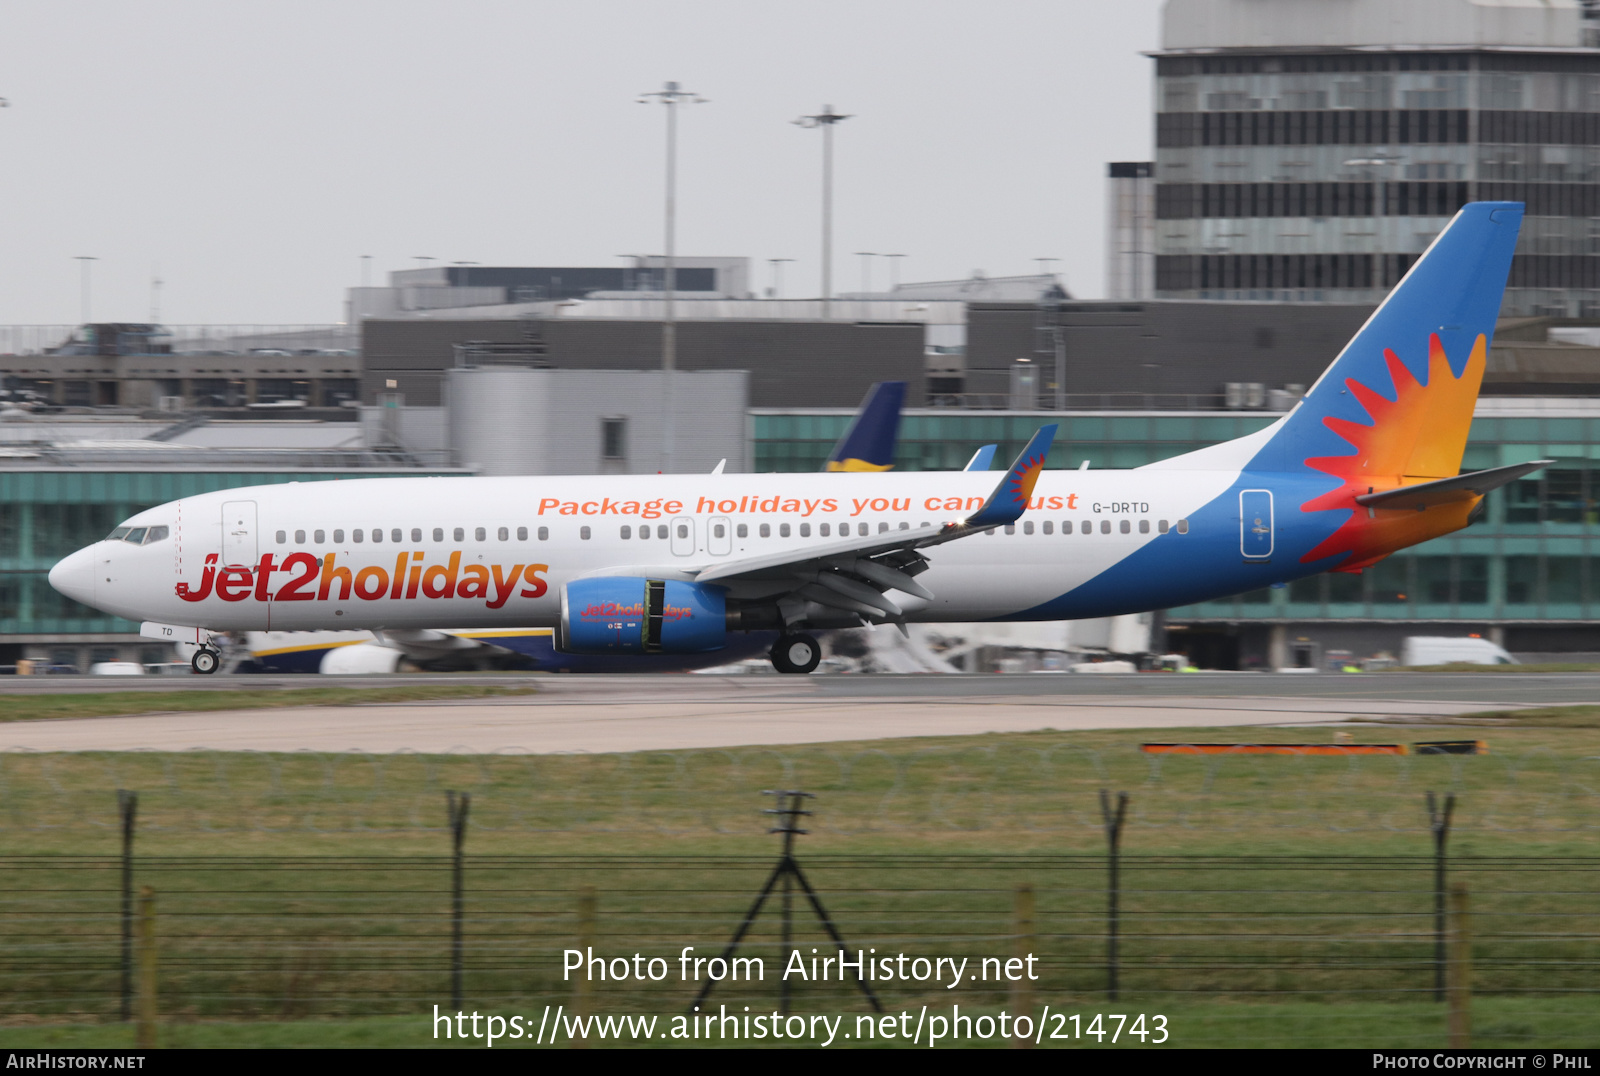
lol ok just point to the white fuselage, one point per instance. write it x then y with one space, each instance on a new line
484 552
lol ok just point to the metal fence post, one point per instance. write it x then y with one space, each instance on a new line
147 968
583 989
459 805
1113 820
1460 969
127 808
1022 989
1439 825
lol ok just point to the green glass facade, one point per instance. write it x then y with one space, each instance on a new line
1534 557
46 514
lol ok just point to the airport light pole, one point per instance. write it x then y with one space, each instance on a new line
84 261
366 270
827 119
866 257
894 270
671 95
777 275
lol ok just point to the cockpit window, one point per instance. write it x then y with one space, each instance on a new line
156 534
118 534
136 535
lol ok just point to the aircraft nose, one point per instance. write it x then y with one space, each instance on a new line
74 576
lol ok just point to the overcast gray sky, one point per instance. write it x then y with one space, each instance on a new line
255 151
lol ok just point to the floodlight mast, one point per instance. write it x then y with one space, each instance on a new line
672 95
826 119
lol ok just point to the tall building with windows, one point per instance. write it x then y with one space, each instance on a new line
1309 150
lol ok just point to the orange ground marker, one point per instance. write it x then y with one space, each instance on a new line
1274 748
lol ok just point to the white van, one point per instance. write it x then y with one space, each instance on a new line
1446 650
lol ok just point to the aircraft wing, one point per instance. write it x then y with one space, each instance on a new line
1446 490
853 574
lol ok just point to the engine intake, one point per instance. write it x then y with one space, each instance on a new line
630 615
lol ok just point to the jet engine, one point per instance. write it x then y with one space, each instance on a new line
630 615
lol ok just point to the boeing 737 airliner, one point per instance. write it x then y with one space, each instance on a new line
1365 464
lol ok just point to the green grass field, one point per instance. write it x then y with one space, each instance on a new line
303 899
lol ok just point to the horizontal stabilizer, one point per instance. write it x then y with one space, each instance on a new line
1450 490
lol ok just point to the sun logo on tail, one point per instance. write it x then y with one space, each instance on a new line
1417 436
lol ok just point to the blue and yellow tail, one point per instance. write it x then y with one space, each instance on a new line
868 445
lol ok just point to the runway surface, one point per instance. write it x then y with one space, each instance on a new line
621 713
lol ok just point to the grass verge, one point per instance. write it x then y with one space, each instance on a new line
23 707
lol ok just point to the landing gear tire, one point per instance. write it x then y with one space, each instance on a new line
796 654
205 661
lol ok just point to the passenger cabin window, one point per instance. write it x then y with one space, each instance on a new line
504 534
805 531
544 534
522 534
1027 528
280 536
1011 528
355 535
1161 527
882 527
717 530
416 534
906 525
397 535
743 530
1105 526
377 534
1066 526
1126 526
319 537
823 529
1144 526
783 530
1048 527
460 534
683 530
583 532
1183 526
299 537
644 530
766 530
661 530
338 537
438 534
627 532
480 534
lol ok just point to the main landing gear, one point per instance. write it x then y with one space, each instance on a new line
205 661
796 654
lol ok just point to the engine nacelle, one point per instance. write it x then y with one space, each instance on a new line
630 615
360 659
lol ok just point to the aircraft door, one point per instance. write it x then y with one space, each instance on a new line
719 536
683 536
239 533
1255 523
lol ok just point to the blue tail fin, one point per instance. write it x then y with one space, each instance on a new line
1398 400
868 445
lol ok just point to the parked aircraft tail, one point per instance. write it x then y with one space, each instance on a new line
868 445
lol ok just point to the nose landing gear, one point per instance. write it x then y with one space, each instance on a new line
796 654
205 661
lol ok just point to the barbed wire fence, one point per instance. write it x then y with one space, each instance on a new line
1046 790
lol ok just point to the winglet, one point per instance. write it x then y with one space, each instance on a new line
1010 498
982 459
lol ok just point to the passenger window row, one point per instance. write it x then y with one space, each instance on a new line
1124 526
398 534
